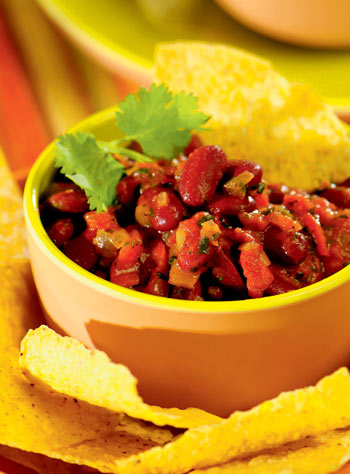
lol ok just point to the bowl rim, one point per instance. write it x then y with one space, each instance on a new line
31 212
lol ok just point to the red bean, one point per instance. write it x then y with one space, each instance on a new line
283 246
59 186
82 252
69 201
230 205
159 208
195 142
236 167
61 231
338 195
126 189
125 269
167 210
201 174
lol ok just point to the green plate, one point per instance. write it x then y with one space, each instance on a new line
119 35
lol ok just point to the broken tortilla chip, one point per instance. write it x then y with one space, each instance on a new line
66 366
48 423
12 233
322 454
257 114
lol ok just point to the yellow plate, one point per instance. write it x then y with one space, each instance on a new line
119 35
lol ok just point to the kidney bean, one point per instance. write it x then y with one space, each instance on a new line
61 231
195 142
159 208
283 246
236 167
201 174
143 211
167 210
346 183
126 189
230 205
59 186
338 195
69 201
82 252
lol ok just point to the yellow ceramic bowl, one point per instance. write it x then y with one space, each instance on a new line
219 356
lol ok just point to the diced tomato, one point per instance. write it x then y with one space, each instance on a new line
159 254
99 221
283 281
303 208
196 243
125 268
256 268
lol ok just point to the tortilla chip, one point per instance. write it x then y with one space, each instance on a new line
12 231
55 425
38 462
257 114
322 455
65 365
289 417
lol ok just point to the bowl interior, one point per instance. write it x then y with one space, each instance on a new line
103 126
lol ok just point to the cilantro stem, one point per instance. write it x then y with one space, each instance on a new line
135 155
113 147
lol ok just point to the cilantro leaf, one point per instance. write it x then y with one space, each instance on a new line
160 120
90 167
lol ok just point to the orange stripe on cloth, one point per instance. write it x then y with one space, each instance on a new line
23 133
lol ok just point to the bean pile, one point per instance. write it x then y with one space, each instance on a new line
203 227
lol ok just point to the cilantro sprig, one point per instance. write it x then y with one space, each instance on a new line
158 119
